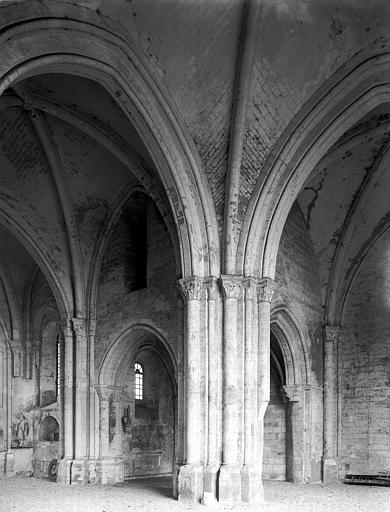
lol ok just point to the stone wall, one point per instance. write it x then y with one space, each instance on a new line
299 293
275 433
148 443
118 307
364 365
148 446
299 287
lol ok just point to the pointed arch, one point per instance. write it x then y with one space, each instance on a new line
114 366
292 344
358 87
151 190
81 48
60 292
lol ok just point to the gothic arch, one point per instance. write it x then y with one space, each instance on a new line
61 294
47 45
119 202
293 346
359 86
121 351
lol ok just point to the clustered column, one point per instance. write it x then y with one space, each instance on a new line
265 290
191 474
64 468
104 421
79 469
74 467
295 470
330 470
230 477
228 367
250 475
214 367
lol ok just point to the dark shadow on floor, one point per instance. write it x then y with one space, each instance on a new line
161 485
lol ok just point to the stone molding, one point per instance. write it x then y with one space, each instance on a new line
192 288
232 286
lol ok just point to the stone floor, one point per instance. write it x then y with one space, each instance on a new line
22 494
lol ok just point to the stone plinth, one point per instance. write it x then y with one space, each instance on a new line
190 483
229 484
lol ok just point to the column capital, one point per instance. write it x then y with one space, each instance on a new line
104 392
250 285
67 326
265 289
92 326
211 285
332 333
294 392
232 286
192 287
16 345
79 327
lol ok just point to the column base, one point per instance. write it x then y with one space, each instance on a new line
10 464
210 484
64 471
79 472
229 484
330 471
109 471
3 462
7 464
190 483
175 480
251 485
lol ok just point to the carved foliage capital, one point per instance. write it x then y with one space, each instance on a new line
67 327
294 392
250 286
232 286
104 392
192 288
79 326
332 333
265 289
211 284
92 327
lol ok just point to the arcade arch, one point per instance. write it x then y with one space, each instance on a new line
137 435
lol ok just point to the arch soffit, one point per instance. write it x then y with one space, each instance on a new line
353 271
61 296
46 315
352 93
125 347
161 355
14 309
345 269
5 336
79 47
293 346
151 187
